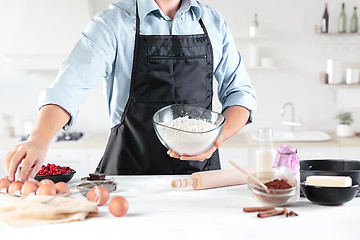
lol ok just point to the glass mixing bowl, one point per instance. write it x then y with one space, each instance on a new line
184 138
275 197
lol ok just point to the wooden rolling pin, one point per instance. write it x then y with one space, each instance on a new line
213 179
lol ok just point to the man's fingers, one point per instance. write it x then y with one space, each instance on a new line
27 168
8 158
173 154
33 171
219 142
14 163
200 157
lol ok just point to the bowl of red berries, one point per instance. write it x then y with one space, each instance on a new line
56 173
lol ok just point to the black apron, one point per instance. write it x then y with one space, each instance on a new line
167 69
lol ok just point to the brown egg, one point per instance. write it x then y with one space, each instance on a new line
15 187
4 184
100 195
118 206
46 189
46 181
29 187
62 188
35 181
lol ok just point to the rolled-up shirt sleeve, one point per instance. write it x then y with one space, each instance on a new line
234 86
89 62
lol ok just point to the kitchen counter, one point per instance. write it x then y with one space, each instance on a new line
245 139
156 211
95 140
99 140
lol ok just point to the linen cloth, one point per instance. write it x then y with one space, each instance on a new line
33 210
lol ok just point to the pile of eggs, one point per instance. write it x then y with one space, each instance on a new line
33 187
118 206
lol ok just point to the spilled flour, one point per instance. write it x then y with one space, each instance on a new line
195 141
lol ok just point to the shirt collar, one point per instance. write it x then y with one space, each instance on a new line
147 6
193 5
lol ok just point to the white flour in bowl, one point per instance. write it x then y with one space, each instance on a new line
195 141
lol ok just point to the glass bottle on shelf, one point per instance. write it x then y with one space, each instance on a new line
354 22
256 21
265 153
342 20
254 28
325 20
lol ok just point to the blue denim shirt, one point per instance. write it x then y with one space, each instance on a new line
106 48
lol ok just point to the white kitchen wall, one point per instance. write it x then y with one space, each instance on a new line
299 55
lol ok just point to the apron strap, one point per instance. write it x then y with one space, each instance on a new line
137 34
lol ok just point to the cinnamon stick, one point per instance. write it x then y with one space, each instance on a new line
258 209
270 213
292 213
286 212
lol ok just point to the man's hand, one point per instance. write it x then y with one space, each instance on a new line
31 154
201 157
236 118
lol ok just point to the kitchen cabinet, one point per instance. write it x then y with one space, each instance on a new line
2 157
317 152
246 157
74 158
83 161
241 156
82 155
350 153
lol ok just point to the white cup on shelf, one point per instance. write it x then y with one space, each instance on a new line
352 76
253 56
267 62
333 69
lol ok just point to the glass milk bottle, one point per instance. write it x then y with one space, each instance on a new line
265 153
288 162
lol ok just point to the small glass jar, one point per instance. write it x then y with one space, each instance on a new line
288 160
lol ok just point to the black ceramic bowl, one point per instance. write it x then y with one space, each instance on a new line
329 195
65 177
330 167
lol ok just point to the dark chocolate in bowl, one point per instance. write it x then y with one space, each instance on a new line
330 167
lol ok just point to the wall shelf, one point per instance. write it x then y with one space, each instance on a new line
34 62
262 68
342 85
335 34
251 38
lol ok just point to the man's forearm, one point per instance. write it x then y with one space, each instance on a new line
236 118
50 120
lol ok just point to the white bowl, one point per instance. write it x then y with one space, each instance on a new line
185 138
